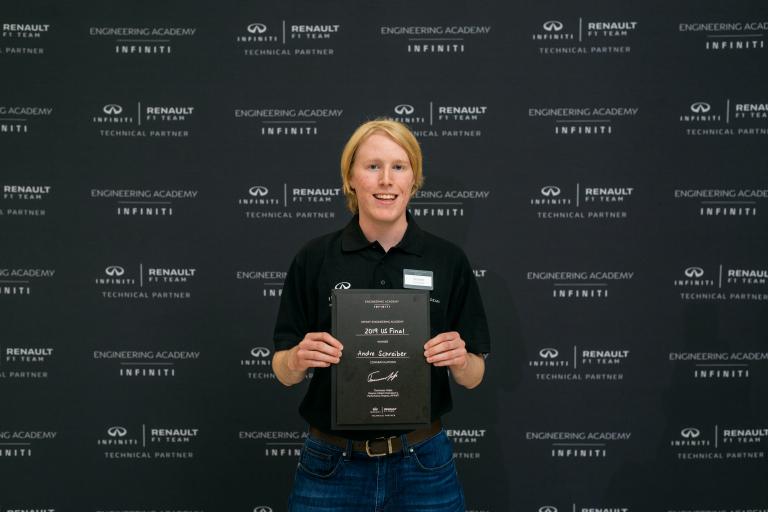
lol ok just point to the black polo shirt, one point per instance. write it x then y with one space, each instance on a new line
346 256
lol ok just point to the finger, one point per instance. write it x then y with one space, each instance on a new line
320 346
440 338
326 338
447 355
455 343
321 353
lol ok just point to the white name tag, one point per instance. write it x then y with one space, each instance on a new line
417 279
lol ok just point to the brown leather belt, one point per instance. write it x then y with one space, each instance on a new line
380 446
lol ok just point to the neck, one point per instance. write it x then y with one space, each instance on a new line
387 234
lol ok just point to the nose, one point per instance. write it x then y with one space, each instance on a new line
385 177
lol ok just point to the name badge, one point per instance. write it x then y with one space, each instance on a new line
417 279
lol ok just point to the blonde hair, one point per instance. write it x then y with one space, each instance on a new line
398 132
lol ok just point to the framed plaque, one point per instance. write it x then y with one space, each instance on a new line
383 380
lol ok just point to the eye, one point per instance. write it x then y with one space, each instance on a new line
373 167
398 167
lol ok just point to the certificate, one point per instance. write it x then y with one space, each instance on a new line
383 380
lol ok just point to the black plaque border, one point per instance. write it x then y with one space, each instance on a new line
334 372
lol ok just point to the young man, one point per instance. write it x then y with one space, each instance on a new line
381 168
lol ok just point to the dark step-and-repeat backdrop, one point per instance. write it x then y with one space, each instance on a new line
602 165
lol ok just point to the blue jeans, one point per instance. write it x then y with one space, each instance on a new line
421 477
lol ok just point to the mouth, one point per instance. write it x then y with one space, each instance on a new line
385 197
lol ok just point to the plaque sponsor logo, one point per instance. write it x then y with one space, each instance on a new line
726 36
446 203
145 282
146 442
584 36
582 202
20 120
24 38
21 282
729 203
287 121
579 364
580 121
579 445
719 366
274 443
24 200
434 40
144 364
719 442
285 38
722 283
587 508
725 118
142 120
23 444
291 202
145 203
24 362
143 41
594 285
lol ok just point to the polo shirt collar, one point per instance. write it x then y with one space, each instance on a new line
353 239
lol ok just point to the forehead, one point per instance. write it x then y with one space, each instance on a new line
381 145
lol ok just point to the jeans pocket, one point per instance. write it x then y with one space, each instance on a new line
318 460
434 454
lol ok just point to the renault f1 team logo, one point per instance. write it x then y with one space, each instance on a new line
258 191
700 107
553 26
113 109
260 352
117 431
690 433
344 285
694 272
114 271
547 508
404 109
550 191
257 28
548 353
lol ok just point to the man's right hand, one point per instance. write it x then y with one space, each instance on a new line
316 350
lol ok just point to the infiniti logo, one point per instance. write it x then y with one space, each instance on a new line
404 109
257 28
113 109
548 353
700 107
344 285
550 191
551 25
547 508
262 509
114 271
260 352
694 272
690 433
117 431
258 191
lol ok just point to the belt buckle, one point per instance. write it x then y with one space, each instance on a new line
389 447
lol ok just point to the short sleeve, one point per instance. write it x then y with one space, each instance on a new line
466 312
292 317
